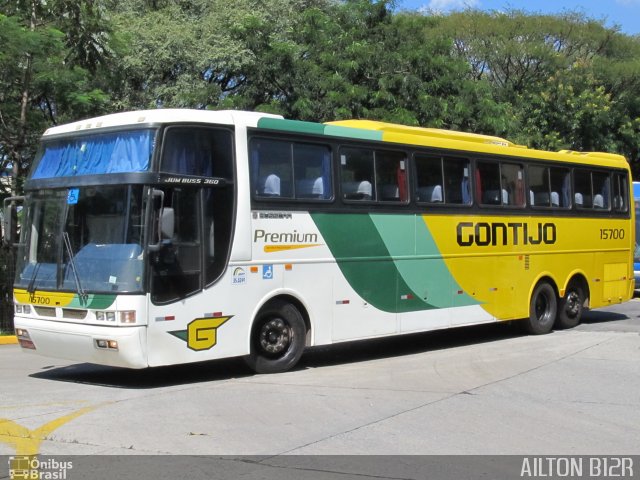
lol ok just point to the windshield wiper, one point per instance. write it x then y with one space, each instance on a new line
67 244
32 281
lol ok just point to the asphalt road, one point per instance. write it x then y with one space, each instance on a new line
489 390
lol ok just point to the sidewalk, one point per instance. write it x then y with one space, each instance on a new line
8 340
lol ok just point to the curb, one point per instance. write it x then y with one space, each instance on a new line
8 340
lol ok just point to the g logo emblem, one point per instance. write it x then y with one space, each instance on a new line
202 332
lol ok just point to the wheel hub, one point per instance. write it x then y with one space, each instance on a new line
275 336
573 304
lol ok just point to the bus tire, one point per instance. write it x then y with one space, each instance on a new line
570 307
277 338
542 309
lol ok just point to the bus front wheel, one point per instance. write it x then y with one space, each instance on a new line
277 338
542 309
570 307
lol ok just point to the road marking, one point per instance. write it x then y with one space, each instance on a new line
27 442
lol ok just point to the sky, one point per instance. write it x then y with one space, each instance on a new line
623 13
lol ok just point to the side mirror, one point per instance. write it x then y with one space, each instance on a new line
165 221
10 220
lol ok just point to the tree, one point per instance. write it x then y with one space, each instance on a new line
569 81
187 53
44 73
357 59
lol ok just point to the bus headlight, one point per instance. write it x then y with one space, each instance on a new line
104 344
124 316
24 339
106 316
26 309
128 316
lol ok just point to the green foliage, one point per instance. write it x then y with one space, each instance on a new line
357 59
546 81
50 54
568 81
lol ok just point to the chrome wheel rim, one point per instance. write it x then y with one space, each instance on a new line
572 305
275 336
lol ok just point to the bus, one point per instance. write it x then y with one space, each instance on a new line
171 236
636 256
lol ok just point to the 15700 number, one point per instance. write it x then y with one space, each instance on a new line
611 233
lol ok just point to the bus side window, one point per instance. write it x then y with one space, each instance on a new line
549 187
271 168
620 193
391 176
592 189
488 174
601 190
442 179
357 174
582 186
456 180
512 186
202 152
429 178
312 171
539 186
177 265
285 169
217 228
560 179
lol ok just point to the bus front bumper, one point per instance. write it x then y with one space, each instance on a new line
113 346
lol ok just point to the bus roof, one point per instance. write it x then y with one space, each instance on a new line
476 142
162 115
359 129
426 132
432 137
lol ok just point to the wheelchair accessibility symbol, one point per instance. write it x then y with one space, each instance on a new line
72 196
267 272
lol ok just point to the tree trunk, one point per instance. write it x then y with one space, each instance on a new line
16 171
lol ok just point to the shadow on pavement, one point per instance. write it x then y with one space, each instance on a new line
315 357
602 316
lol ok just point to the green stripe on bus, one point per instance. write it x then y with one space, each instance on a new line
93 301
366 263
418 260
318 129
291 126
339 131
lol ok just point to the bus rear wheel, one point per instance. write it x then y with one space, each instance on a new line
277 338
542 309
570 307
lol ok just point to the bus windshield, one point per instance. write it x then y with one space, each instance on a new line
86 240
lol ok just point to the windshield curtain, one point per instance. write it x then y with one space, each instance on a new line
86 239
116 152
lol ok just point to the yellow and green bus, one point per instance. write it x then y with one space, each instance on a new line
171 236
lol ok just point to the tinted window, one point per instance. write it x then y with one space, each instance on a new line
499 184
549 186
620 192
284 169
442 179
592 189
204 152
357 174
370 175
